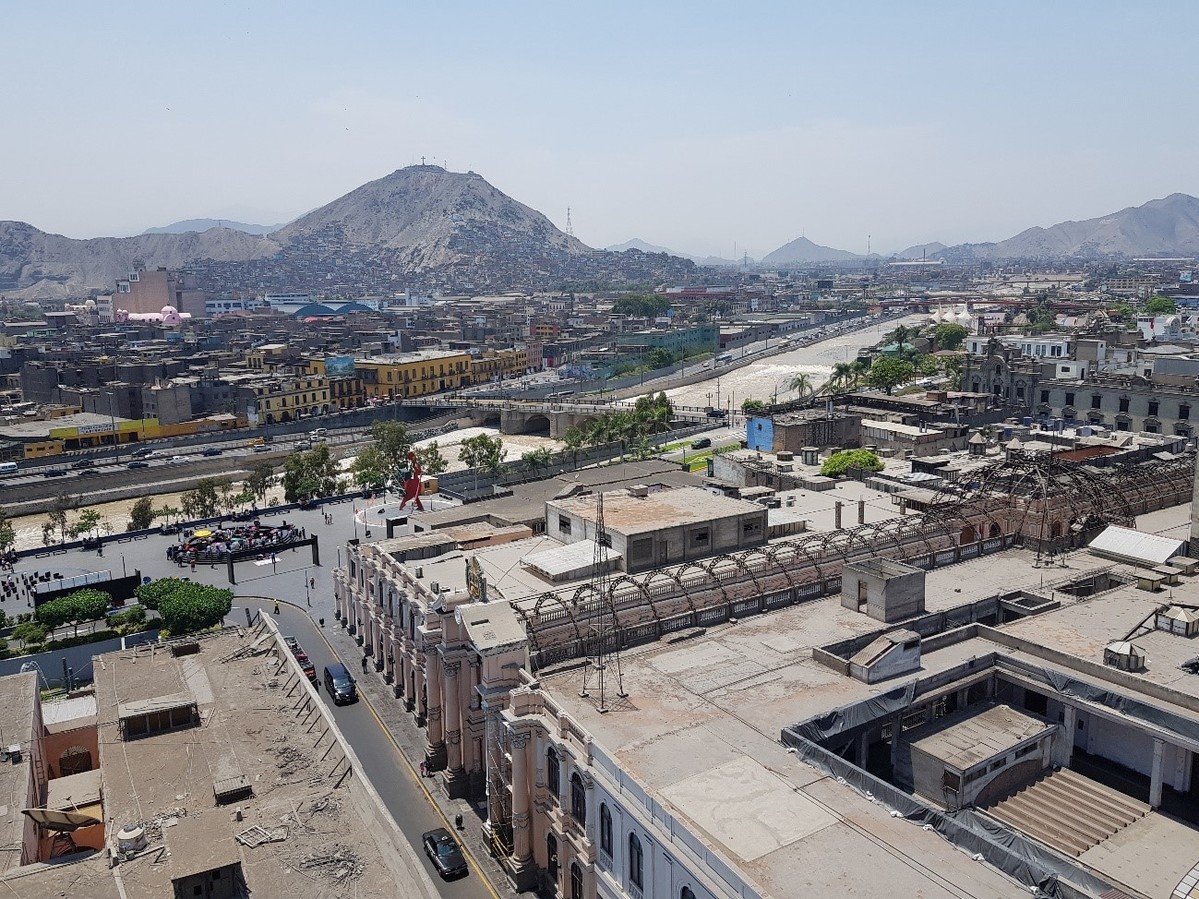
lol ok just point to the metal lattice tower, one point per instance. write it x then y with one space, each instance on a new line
570 228
603 630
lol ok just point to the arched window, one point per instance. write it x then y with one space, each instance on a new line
578 799
576 881
551 858
605 830
552 771
686 893
635 861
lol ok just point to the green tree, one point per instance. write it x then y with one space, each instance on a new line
482 452
954 367
141 514
259 480
151 594
74 609
8 535
753 407
574 438
432 462
949 336
28 632
168 513
839 463
888 372
194 607
1160 306
370 469
642 305
538 460
87 524
844 377
801 383
928 365
310 475
393 441
204 501
57 529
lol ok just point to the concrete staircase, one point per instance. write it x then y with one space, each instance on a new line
1068 812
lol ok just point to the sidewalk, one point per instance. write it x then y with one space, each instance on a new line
411 741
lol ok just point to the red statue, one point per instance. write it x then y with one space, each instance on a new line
412 484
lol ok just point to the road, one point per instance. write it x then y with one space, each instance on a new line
397 784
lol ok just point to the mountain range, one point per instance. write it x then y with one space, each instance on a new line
425 228
642 247
204 224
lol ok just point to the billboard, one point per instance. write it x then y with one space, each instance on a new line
336 366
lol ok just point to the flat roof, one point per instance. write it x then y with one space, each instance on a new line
491 626
18 696
966 738
41 428
661 507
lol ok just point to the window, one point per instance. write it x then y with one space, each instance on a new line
576 881
578 799
1153 407
686 893
1121 425
699 537
1069 399
1027 750
635 861
1096 401
605 830
1184 412
552 771
563 524
1020 393
998 763
1123 404
951 780
551 858
1044 396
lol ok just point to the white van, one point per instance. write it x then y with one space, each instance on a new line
321 432
8 467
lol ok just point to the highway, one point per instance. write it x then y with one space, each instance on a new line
401 788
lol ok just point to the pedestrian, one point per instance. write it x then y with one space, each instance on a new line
364 664
312 583
276 607
424 770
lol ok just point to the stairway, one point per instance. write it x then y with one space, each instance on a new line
1068 812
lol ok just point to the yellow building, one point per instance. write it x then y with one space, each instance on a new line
267 356
345 385
267 401
413 374
493 365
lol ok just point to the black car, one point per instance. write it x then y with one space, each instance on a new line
138 463
54 473
702 443
444 853
211 451
143 451
83 463
341 686
717 413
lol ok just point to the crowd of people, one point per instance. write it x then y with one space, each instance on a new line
216 544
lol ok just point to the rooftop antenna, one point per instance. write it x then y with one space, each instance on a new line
606 648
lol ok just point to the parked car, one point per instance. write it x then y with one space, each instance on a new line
263 448
443 852
291 642
83 463
175 460
54 473
138 463
702 443
341 686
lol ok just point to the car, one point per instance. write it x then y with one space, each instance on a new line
175 460
306 666
143 452
291 642
138 463
717 413
262 448
341 686
443 852
83 463
54 473
211 451
702 443
89 472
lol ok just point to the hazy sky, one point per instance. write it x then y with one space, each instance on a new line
692 125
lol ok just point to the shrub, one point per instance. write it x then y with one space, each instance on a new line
185 606
839 463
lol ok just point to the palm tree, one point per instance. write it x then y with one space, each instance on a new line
843 376
802 384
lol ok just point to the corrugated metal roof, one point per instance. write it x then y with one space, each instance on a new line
1129 545
573 559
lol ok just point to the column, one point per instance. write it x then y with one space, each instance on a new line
434 724
1155 779
863 749
455 778
523 870
896 730
1065 752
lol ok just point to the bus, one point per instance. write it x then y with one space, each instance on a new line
725 359
8 467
